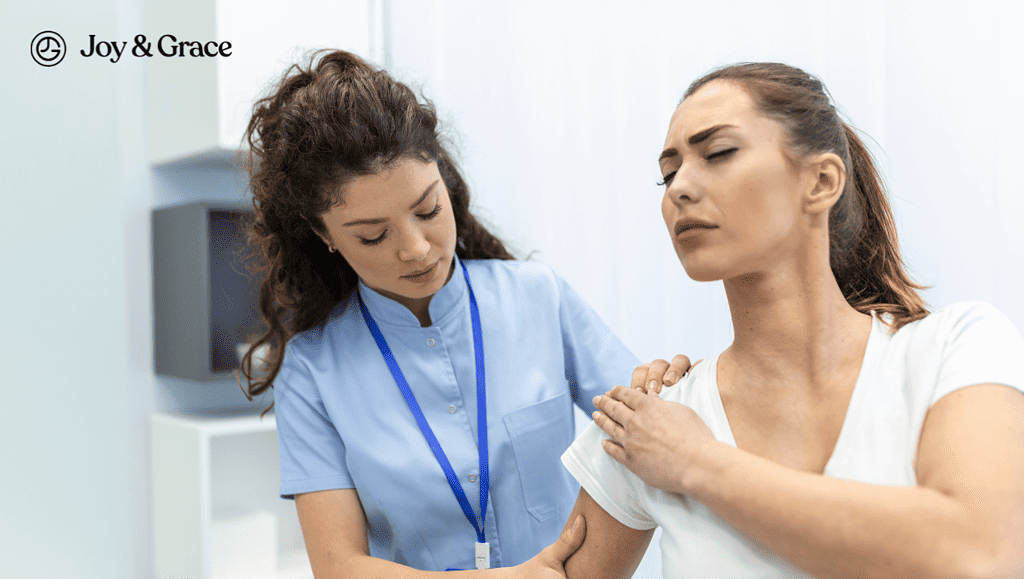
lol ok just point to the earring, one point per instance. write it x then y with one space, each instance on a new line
331 248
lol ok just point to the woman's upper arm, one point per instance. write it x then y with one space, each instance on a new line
972 450
333 528
610 549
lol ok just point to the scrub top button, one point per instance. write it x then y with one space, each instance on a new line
472 478
451 409
430 341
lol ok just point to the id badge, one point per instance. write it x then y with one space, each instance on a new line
483 555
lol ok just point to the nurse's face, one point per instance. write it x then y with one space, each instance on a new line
732 200
397 231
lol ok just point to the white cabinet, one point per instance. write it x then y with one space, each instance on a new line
217 513
198 106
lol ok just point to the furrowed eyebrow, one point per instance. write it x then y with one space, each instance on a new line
703 135
379 220
666 154
694 139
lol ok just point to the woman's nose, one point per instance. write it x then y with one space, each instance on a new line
414 245
683 190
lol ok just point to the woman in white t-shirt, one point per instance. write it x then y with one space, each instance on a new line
846 432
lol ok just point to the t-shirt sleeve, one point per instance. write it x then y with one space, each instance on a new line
982 347
311 450
595 359
619 492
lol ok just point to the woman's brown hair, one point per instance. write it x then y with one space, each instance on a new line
326 123
863 250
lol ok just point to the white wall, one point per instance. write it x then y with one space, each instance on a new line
76 370
561 109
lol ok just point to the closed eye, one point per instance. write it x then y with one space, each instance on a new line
667 179
380 238
432 214
721 154
375 240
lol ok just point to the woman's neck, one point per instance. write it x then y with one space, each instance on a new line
793 328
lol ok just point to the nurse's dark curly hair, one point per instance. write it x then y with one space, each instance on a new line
328 122
864 253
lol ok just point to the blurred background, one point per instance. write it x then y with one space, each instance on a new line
557 111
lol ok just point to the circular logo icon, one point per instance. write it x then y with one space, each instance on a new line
48 48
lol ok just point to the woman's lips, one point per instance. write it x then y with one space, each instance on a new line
683 226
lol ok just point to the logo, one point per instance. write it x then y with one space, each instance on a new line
48 48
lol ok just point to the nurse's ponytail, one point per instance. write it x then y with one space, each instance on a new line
326 123
863 250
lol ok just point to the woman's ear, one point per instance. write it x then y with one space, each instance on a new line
829 173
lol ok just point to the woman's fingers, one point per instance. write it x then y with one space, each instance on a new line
608 425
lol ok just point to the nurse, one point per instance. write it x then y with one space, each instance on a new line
424 380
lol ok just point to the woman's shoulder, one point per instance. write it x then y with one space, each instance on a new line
956 319
693 388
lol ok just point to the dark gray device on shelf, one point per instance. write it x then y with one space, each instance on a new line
204 298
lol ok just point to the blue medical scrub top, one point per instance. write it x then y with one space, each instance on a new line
342 421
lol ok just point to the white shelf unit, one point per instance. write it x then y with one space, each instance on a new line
217 513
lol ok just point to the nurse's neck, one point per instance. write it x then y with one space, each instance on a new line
420 307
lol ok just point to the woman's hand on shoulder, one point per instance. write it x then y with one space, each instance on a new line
662 442
550 562
652 376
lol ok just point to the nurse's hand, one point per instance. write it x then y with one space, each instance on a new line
550 562
652 376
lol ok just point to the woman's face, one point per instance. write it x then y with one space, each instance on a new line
397 230
732 200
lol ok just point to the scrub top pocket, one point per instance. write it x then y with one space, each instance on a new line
540 433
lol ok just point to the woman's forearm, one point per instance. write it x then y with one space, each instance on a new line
836 528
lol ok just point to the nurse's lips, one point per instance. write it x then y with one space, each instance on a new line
422 273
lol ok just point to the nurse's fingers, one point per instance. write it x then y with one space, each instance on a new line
550 562
680 365
647 377
571 538
639 379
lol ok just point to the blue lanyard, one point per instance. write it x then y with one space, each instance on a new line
481 405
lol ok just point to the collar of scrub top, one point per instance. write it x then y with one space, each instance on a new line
410 399
448 301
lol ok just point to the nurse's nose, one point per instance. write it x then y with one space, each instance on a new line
414 245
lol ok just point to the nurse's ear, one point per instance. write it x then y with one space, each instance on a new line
828 173
324 237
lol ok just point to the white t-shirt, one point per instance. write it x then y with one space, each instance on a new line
901 376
